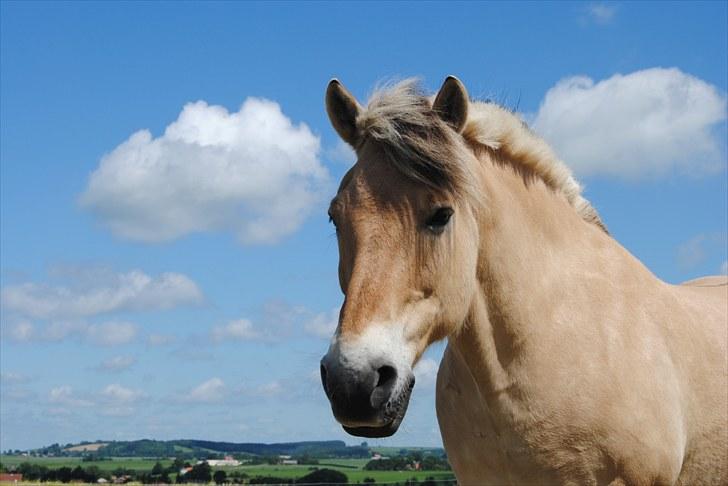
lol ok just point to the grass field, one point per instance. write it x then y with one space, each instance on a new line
354 475
353 468
136 463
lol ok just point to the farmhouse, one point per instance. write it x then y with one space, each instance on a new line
287 460
11 478
228 461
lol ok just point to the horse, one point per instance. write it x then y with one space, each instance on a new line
567 360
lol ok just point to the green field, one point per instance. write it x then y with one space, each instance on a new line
136 463
354 475
353 468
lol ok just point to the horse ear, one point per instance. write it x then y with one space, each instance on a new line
451 103
343 109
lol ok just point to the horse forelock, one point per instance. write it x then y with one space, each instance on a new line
399 117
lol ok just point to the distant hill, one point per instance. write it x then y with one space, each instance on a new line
200 448
87 447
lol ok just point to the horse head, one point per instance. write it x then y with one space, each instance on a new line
407 237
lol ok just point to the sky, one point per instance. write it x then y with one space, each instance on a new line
167 268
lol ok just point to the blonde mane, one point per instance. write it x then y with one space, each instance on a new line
420 144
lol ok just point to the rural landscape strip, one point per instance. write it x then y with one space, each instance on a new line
200 462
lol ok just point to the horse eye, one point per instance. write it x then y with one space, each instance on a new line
439 220
332 220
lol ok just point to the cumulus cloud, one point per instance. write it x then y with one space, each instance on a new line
118 394
341 153
426 372
111 333
278 320
324 324
238 330
252 172
64 395
132 290
117 364
641 124
601 13
22 331
211 391
268 390
103 334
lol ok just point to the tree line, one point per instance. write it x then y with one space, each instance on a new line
403 462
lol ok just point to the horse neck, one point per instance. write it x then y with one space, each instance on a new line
535 254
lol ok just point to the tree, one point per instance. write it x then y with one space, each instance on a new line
64 474
78 474
157 469
200 473
219 477
328 476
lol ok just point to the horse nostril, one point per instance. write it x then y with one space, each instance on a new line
386 375
387 378
323 379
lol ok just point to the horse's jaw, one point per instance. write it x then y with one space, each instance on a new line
393 416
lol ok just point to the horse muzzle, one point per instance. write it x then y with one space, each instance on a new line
369 403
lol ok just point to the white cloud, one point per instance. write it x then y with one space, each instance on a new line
103 334
268 389
64 395
111 333
59 330
117 363
426 372
252 172
641 124
601 13
133 290
18 394
324 324
211 391
118 394
341 153
699 248
691 253
11 377
22 332
239 330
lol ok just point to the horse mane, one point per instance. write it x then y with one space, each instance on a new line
422 146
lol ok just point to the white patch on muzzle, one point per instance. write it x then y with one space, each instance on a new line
381 344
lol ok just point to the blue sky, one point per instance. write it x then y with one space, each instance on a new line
180 282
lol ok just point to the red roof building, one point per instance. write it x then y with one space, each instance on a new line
10 478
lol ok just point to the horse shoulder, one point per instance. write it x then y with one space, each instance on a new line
467 429
698 326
